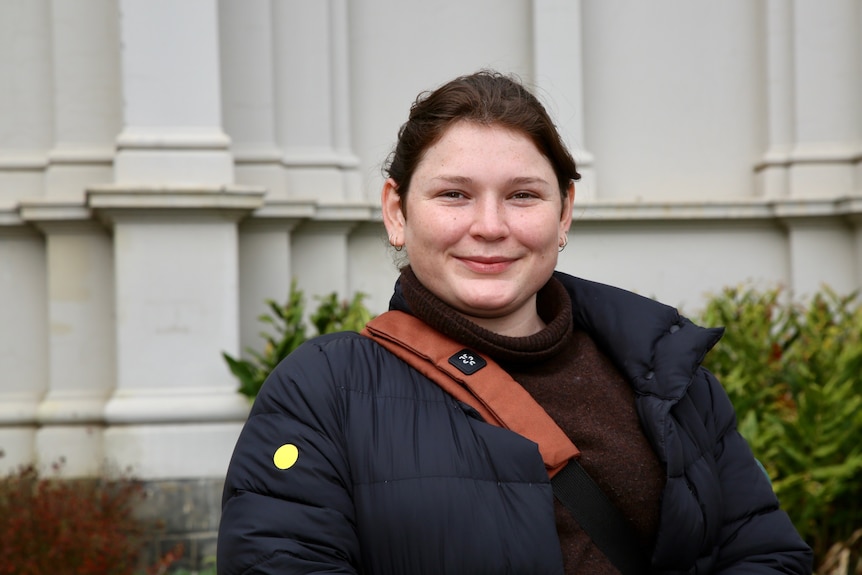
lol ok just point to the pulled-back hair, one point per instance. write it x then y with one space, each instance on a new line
488 98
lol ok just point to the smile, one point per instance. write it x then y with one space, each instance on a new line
487 265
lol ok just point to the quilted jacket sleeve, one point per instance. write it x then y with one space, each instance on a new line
755 536
287 505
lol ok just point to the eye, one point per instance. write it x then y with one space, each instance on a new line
524 195
453 194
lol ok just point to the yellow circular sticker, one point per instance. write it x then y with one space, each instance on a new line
285 456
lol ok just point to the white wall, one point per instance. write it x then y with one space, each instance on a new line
675 110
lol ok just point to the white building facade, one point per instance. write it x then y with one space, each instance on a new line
166 166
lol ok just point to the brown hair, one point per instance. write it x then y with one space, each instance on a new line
486 97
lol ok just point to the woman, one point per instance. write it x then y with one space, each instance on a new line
353 461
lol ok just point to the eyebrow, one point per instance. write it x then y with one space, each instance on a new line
517 181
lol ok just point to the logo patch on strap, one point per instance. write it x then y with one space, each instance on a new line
468 362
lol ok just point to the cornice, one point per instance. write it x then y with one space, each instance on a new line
117 201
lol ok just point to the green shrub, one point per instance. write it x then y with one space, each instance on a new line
53 526
289 332
794 374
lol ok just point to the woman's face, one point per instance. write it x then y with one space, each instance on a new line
484 223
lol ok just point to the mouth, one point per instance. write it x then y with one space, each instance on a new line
487 264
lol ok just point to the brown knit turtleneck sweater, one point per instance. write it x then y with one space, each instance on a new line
584 393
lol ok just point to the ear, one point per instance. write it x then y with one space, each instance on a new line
568 206
393 215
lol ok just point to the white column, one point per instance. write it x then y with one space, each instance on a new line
772 171
174 210
80 353
247 70
286 82
822 253
828 135
856 221
558 53
176 410
341 133
25 136
310 115
313 241
23 339
85 54
828 90
371 267
312 128
171 92
264 273
26 113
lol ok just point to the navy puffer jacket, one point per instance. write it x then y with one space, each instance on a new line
353 462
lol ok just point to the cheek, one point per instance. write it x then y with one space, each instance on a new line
435 231
540 237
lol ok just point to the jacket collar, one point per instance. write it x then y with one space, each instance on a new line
654 347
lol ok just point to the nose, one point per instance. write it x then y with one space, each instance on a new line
489 220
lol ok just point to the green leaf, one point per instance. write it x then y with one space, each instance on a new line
287 330
793 370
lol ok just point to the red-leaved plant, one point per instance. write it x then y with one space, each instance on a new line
59 526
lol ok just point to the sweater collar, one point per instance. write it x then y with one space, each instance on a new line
554 307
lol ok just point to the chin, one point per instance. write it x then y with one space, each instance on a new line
485 310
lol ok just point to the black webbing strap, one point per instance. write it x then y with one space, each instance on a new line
601 520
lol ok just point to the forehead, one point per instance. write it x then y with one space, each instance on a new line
465 143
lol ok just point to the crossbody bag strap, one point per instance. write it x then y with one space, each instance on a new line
600 518
479 382
475 380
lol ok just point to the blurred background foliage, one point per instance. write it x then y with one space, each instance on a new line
794 374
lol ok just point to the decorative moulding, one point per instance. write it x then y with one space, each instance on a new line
45 210
122 201
170 138
735 209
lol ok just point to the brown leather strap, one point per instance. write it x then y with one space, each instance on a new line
498 398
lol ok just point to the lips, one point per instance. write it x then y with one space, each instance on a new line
487 264
487 259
